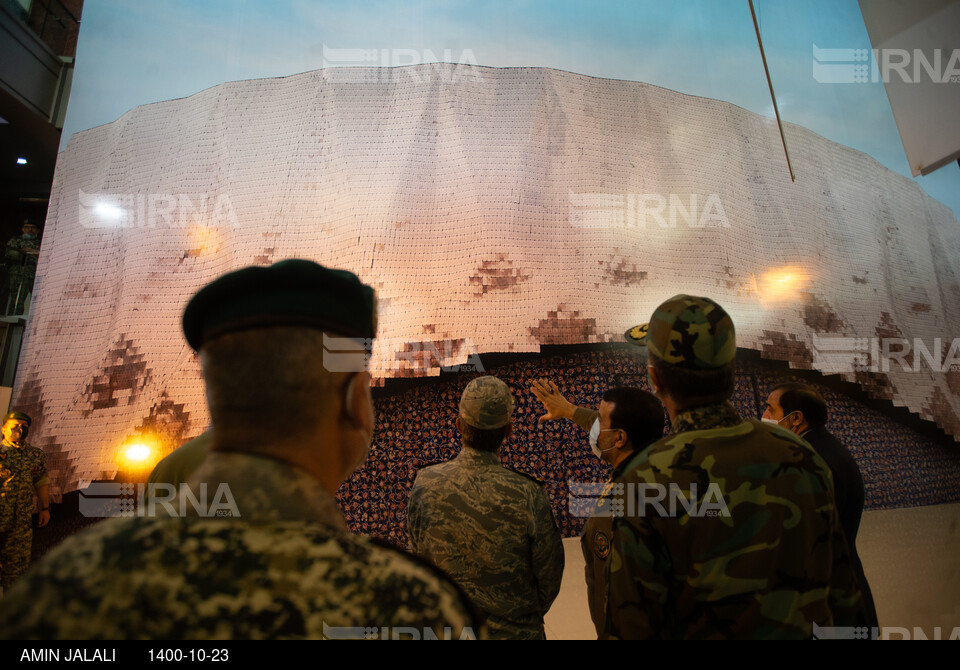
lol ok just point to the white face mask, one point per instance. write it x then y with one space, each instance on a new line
595 431
774 421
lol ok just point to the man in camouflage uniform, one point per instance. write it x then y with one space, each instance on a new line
23 470
489 527
21 261
269 555
627 422
754 548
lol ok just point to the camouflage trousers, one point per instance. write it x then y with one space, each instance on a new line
498 629
15 544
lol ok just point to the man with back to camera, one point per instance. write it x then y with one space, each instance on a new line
752 547
285 432
628 421
23 471
802 410
489 527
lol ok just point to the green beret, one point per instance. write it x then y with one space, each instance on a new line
19 416
289 293
689 332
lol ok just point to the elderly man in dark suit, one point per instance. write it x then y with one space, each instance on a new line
801 409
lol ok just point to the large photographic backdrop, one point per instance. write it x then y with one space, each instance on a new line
494 210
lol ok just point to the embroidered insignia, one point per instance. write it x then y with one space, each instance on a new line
637 335
601 545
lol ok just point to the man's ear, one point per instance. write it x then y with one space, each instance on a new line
358 404
798 419
654 380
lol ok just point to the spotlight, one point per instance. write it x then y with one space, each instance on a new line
784 284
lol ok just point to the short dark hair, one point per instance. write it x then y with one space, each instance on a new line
637 413
703 386
797 397
482 439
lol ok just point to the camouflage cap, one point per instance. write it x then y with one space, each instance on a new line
293 292
19 416
486 403
689 332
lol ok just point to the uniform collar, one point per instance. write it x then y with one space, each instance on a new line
617 471
705 417
479 457
266 489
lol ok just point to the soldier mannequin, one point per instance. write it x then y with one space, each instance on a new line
21 261
22 471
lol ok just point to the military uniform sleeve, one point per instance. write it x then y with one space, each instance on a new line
39 470
548 558
584 418
638 584
415 516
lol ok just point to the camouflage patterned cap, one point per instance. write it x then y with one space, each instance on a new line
486 403
19 416
293 292
689 332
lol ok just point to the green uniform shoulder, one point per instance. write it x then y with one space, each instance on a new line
538 482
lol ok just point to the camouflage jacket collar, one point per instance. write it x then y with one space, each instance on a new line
7 446
705 417
266 489
472 456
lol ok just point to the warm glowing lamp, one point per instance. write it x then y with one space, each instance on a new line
783 284
137 456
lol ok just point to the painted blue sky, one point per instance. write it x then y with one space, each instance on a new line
134 52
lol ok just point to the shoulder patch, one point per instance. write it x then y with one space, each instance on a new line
601 545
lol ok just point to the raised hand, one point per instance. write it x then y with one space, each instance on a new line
553 401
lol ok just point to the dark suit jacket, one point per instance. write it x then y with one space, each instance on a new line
848 491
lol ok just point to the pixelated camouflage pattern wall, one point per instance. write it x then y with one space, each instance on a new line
495 210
